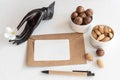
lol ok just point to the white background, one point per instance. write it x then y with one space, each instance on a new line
13 58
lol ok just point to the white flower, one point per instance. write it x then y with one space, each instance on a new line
10 33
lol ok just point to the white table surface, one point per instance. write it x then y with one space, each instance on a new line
13 58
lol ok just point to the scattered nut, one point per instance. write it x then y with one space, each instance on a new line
100 52
106 39
74 15
78 20
89 12
89 57
94 34
110 35
87 20
106 30
97 32
101 37
101 29
96 27
83 15
100 63
80 9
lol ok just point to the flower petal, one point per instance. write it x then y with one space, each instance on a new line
6 35
8 30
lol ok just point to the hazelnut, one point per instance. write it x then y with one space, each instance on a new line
87 20
79 9
74 15
100 52
78 20
83 15
89 12
89 57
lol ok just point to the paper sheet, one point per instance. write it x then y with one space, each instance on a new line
49 50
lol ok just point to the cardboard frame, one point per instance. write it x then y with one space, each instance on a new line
77 49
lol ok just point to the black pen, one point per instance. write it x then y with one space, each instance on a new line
68 73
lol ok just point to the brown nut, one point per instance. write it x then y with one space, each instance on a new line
97 32
100 52
106 29
87 20
80 9
105 39
94 35
110 35
101 37
109 30
74 15
100 63
89 57
83 15
78 20
101 29
96 27
89 12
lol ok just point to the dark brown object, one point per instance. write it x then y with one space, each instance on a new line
80 9
83 15
89 12
33 19
87 20
74 15
78 20
100 52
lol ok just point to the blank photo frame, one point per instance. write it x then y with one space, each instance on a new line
76 46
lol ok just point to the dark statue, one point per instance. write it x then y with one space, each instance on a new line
33 19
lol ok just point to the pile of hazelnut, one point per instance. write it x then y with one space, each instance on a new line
82 16
102 33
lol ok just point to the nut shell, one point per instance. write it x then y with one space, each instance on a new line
80 9
78 20
74 15
87 20
97 32
102 36
100 63
83 15
100 52
89 12
105 39
94 34
89 57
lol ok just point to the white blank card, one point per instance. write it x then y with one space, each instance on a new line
50 50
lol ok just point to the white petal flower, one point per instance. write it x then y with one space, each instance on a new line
10 33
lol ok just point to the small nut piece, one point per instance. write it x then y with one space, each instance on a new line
106 29
101 37
97 32
100 52
111 35
94 34
100 63
89 57
105 39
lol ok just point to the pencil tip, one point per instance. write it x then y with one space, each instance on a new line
46 72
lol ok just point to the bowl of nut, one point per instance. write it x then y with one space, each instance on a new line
101 35
81 19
